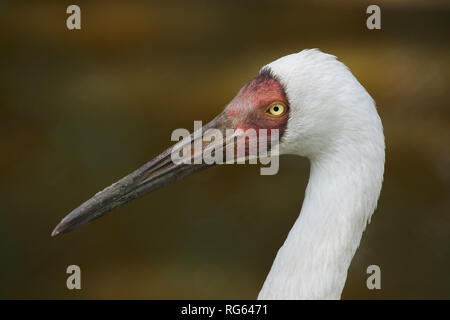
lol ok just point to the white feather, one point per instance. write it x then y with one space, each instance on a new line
333 122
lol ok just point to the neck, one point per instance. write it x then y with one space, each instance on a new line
342 193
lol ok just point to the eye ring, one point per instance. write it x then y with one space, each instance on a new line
276 109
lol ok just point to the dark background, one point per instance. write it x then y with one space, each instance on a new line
80 109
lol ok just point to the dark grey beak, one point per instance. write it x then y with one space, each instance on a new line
151 176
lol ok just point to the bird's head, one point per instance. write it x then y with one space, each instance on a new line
304 96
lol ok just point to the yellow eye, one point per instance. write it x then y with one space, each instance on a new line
276 110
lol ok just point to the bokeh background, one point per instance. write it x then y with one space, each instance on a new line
80 109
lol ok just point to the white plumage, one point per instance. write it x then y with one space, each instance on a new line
334 123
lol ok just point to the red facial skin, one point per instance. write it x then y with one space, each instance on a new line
249 108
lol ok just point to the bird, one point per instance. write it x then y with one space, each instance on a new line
322 113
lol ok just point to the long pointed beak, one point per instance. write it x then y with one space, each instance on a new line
153 175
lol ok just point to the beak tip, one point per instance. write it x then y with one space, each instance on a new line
56 231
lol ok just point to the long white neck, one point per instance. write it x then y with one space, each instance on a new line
342 193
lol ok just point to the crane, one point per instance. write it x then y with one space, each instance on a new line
322 113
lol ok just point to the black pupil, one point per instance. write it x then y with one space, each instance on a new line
275 109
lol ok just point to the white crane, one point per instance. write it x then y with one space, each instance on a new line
322 113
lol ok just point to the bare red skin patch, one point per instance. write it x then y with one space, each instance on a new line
249 108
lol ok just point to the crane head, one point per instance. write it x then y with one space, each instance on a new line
310 100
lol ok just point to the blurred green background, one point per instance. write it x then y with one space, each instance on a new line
80 109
